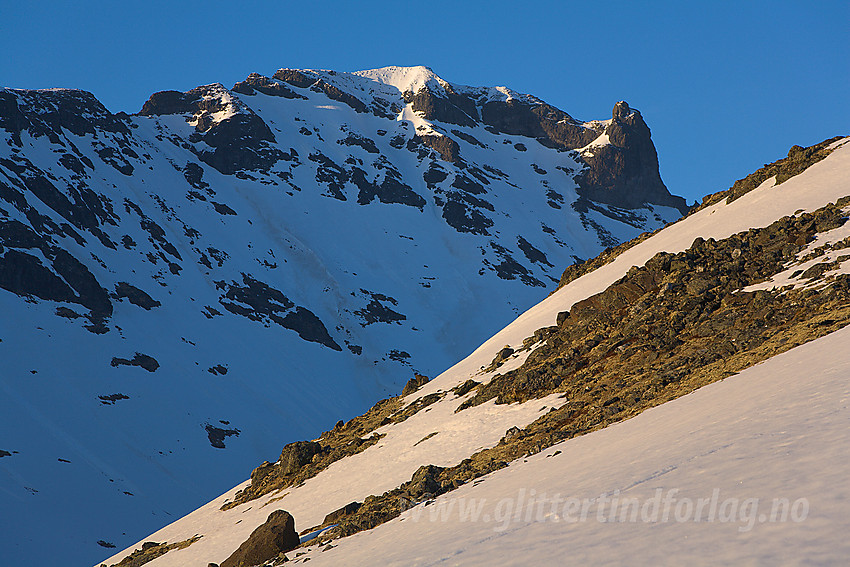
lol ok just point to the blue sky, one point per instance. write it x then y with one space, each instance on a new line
724 86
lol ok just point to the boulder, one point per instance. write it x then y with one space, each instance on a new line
274 537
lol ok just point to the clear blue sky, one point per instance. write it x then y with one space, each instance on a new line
724 86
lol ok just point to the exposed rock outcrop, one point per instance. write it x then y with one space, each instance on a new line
240 140
624 172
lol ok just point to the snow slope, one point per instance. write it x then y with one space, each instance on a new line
290 245
684 446
779 430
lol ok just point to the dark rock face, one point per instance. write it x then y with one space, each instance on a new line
274 537
48 113
549 125
434 175
240 142
354 139
69 280
509 268
258 83
390 190
330 174
335 94
11 118
294 77
625 172
309 327
452 108
170 102
110 399
443 145
268 304
531 252
376 311
464 217
24 274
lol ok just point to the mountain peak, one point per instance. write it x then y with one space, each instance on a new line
405 79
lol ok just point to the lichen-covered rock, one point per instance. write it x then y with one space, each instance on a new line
414 384
296 455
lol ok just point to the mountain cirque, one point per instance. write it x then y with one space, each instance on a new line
187 288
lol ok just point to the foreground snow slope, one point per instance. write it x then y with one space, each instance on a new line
778 430
394 459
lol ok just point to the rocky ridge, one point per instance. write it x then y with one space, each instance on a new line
798 160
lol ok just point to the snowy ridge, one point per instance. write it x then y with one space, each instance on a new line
405 79
658 461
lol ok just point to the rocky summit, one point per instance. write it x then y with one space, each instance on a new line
187 288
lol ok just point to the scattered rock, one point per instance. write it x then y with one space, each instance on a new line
377 312
145 361
112 398
217 435
135 296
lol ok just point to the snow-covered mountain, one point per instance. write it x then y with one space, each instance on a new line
468 467
185 289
